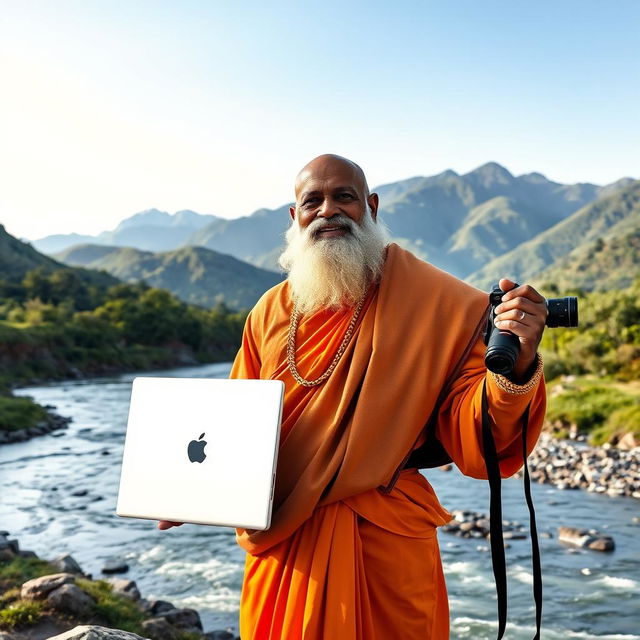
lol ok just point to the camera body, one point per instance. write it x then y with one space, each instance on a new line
503 347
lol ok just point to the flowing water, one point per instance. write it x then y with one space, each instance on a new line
587 594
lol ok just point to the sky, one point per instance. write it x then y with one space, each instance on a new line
110 108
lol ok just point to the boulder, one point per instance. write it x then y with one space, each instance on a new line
93 632
67 564
124 587
586 538
220 634
40 587
183 618
116 566
158 607
70 598
160 629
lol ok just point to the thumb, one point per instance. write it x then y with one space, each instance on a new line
506 285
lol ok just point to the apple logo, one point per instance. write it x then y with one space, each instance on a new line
196 449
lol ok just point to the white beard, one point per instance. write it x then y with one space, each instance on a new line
330 273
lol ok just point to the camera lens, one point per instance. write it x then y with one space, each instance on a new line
502 352
563 312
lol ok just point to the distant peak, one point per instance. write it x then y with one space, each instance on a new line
490 174
534 176
447 173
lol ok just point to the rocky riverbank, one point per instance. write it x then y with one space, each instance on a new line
570 464
40 599
51 422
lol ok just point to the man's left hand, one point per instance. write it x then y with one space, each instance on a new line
523 312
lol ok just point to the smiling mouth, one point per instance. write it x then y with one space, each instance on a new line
331 230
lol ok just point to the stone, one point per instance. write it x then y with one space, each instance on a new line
25 553
124 587
40 587
220 634
603 543
94 632
160 629
70 598
183 618
67 564
158 607
79 492
116 566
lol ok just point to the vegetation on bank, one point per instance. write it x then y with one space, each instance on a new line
48 328
596 365
110 609
56 325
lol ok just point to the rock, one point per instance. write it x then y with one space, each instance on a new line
11 545
70 598
183 618
25 553
586 538
116 566
67 564
514 535
603 543
628 442
6 554
160 629
39 587
93 632
124 587
79 492
158 607
223 634
444 467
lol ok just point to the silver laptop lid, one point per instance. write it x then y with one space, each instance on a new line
201 450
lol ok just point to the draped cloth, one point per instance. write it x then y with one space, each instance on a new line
343 559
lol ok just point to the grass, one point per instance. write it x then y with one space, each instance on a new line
15 572
21 613
18 413
118 611
603 409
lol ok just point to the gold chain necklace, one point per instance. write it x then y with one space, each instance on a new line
291 347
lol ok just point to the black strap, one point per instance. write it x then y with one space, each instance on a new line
495 518
535 549
495 513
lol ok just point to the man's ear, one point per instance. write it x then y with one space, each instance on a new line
292 211
373 201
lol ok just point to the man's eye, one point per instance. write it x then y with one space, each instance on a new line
346 195
309 201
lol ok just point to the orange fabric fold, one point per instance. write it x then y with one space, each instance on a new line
320 567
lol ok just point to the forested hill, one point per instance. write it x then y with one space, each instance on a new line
194 274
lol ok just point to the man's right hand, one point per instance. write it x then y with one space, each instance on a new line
167 524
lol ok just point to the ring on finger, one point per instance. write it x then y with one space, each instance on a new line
522 315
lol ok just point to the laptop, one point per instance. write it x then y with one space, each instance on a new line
201 450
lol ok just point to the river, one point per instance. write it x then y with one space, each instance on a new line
587 594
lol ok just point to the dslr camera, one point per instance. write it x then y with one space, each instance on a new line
503 346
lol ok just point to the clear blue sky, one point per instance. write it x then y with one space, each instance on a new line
109 108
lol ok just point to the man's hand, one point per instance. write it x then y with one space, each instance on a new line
167 524
523 311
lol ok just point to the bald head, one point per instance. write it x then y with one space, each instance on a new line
329 164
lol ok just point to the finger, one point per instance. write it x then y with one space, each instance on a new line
167 524
506 285
518 315
523 304
524 291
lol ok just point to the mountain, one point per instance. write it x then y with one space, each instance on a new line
612 216
151 230
458 222
194 274
608 263
257 238
17 257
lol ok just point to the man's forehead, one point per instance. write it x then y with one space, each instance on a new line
329 176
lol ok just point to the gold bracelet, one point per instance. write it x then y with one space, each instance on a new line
511 387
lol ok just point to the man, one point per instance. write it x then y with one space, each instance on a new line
364 336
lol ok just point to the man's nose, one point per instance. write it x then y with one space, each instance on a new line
328 208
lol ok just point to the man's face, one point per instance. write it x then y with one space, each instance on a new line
326 194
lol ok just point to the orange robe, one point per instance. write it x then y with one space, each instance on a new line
343 560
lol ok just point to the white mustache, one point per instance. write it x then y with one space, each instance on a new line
336 222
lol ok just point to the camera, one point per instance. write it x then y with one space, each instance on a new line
503 346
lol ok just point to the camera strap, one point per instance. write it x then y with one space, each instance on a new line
495 519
